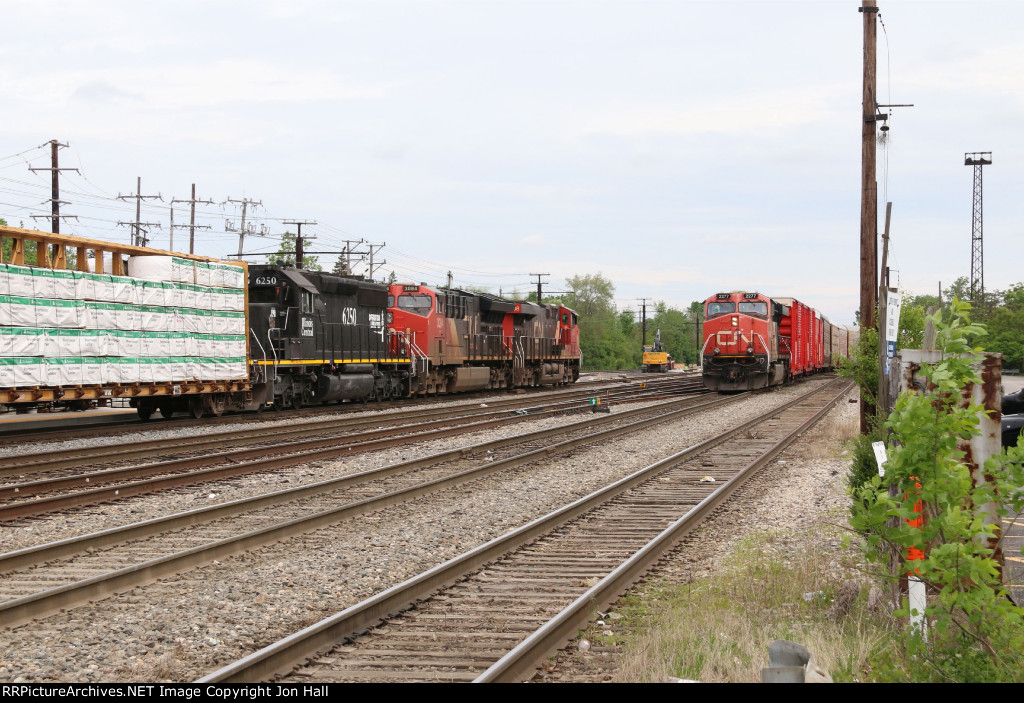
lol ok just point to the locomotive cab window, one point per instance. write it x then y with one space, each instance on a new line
416 304
720 308
758 308
307 301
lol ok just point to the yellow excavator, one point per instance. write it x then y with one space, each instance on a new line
655 359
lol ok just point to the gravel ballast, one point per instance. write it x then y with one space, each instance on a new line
182 628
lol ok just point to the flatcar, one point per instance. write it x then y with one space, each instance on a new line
753 341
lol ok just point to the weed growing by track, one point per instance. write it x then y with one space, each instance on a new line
777 585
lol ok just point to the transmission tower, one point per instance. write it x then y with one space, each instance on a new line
977 159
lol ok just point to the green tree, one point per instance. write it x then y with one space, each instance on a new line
977 633
286 254
1005 324
602 341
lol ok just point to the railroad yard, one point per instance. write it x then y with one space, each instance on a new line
181 581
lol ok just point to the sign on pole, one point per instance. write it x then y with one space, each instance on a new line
893 303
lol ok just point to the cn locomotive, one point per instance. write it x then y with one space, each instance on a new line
754 341
324 337
86 322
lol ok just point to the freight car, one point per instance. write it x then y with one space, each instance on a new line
89 322
84 322
753 341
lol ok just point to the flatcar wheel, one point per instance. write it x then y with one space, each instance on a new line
218 404
195 408
166 411
145 412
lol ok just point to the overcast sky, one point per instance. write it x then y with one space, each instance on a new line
680 148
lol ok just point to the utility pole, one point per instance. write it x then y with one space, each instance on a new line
868 189
977 159
883 294
55 201
372 266
298 239
539 290
350 249
192 221
137 237
246 202
643 322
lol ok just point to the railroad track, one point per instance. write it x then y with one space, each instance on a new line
264 450
115 427
38 580
495 612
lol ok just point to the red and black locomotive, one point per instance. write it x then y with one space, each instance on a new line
461 340
753 341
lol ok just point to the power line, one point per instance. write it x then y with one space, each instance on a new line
138 239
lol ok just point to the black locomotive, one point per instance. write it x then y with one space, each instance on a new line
316 337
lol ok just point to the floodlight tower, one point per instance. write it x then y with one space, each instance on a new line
977 159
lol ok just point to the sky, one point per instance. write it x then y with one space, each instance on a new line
679 148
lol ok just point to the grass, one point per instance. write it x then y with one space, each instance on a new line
718 629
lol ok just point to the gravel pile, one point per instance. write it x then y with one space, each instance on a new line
182 628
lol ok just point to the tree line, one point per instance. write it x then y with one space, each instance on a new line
1001 311
613 339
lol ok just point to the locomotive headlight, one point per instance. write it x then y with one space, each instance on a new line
735 322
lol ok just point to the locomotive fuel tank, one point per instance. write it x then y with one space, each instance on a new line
346 386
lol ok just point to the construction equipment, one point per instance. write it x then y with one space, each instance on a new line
655 359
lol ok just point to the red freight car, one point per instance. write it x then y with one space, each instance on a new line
753 341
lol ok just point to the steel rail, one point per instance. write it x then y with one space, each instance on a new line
116 427
73 545
49 461
28 607
79 456
234 463
290 651
525 657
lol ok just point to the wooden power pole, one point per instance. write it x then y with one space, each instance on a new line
869 189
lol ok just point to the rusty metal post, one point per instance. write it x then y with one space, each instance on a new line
989 395
977 449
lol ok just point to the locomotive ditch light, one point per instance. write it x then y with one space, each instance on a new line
717 350
750 349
